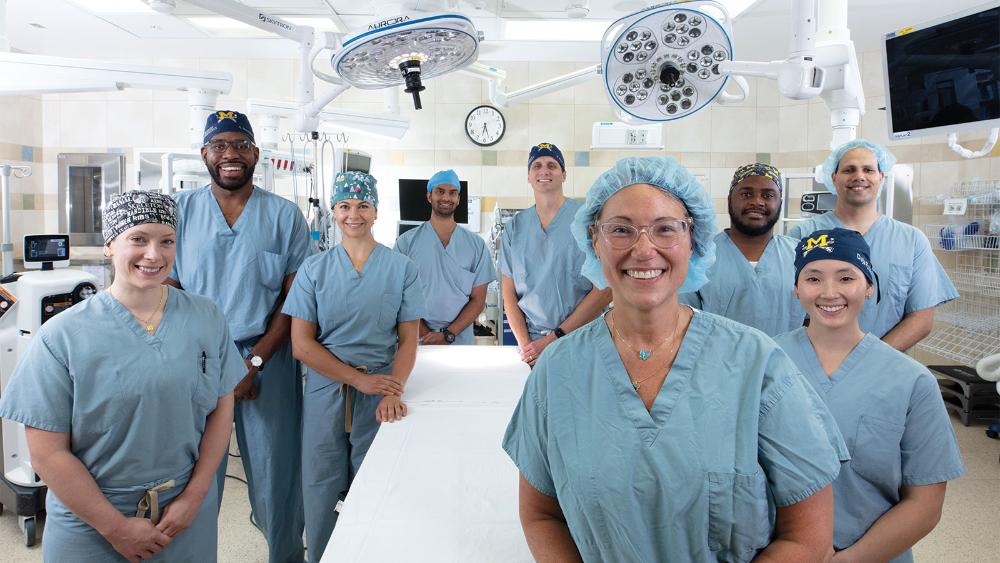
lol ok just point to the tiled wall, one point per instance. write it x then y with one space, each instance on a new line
21 140
791 134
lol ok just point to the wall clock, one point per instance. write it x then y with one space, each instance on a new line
485 126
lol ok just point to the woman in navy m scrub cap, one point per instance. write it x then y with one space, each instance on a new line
127 399
658 432
887 406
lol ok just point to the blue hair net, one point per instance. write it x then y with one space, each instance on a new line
668 175
885 159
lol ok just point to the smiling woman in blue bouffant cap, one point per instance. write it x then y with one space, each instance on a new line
355 310
658 432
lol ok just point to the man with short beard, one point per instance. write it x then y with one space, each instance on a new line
240 246
751 281
455 266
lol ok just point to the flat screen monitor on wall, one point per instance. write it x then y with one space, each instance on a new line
943 76
413 204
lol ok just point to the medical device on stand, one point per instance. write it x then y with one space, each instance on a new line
28 300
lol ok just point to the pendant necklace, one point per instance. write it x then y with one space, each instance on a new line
644 354
148 323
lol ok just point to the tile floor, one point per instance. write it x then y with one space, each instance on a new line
967 532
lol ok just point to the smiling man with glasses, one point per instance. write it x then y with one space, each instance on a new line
241 246
750 281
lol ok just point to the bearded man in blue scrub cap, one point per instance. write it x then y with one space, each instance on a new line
241 246
749 281
914 281
455 266
544 294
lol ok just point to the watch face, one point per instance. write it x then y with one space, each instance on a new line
256 361
485 126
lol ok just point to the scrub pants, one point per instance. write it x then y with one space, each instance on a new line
67 538
331 457
268 431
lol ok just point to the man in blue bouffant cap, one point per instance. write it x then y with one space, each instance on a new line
455 266
545 295
241 246
915 280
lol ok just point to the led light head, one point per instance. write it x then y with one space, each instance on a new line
404 50
662 63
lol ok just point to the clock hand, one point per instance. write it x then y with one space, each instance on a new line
485 131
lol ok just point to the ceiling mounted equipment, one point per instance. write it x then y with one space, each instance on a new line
404 50
662 63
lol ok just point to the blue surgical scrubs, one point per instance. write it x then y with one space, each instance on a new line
356 314
545 267
135 407
909 275
242 269
449 273
889 409
756 295
733 434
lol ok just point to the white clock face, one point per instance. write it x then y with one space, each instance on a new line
485 126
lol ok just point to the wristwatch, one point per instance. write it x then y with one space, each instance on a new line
449 337
255 360
559 332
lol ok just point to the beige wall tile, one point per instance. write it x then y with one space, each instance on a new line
505 181
84 124
449 126
768 129
767 93
820 132
591 92
170 122
516 136
542 71
871 73
793 128
552 124
583 178
51 122
732 129
130 124
584 117
691 134
456 88
719 182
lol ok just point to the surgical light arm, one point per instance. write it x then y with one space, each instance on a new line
828 69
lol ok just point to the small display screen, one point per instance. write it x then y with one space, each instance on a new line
46 248
946 74
413 204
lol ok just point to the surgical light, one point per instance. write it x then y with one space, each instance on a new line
662 63
404 50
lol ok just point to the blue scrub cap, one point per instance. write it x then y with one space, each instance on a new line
837 244
223 121
668 175
546 149
885 159
446 177
354 185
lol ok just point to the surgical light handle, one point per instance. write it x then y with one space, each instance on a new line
991 141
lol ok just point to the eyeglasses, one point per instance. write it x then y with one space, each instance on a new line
219 147
664 234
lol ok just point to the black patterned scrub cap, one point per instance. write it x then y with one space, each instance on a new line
137 207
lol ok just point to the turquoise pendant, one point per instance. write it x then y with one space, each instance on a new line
644 355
